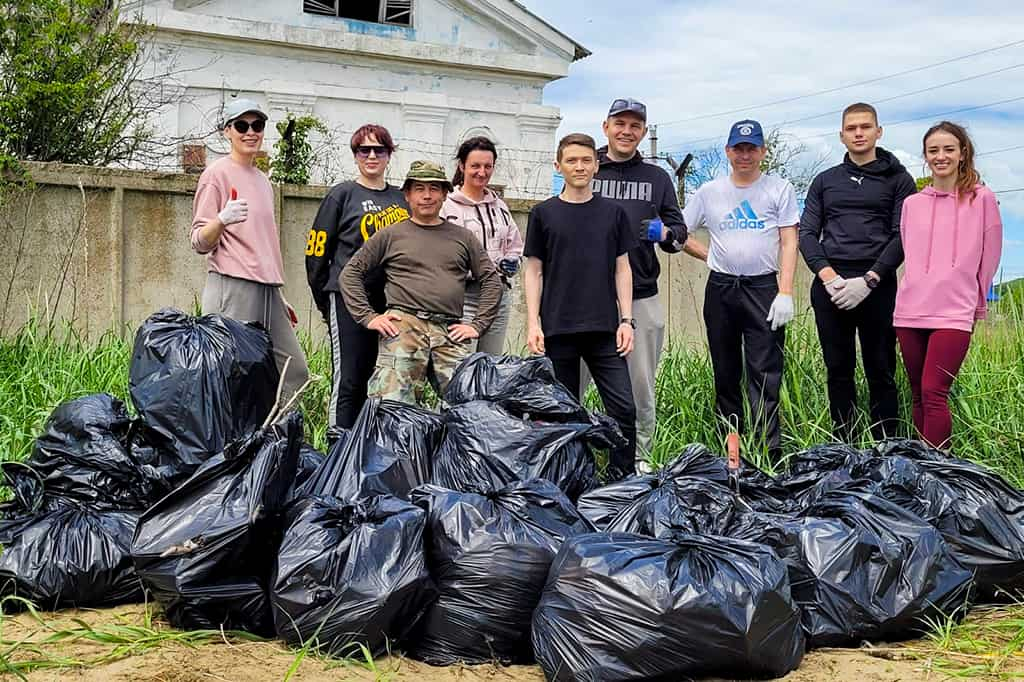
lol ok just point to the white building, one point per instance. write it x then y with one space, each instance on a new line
432 71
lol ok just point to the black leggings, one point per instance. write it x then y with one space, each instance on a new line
353 358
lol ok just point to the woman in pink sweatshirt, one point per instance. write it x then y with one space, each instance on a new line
481 211
952 238
233 224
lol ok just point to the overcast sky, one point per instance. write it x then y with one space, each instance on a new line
691 62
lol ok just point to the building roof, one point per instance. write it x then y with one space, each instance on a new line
580 51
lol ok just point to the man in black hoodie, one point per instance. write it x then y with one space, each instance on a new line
850 238
646 192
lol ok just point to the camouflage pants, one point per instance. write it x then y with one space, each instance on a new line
422 351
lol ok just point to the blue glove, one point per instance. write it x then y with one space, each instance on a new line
508 266
650 230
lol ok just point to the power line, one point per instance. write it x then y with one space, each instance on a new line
841 87
935 115
1009 191
1000 151
908 94
683 145
885 99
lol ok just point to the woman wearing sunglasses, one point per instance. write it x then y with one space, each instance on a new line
233 224
476 207
349 215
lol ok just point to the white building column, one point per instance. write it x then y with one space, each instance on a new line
534 162
422 136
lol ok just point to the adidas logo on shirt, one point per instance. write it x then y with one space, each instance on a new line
743 217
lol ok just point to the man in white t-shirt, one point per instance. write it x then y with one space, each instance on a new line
752 219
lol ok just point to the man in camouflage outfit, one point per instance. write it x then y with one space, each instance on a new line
426 262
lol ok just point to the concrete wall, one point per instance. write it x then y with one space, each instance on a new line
106 248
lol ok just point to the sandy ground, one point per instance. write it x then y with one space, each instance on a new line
269 661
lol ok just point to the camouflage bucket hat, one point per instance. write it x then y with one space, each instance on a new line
426 171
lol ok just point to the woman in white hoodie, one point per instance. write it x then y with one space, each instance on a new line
480 210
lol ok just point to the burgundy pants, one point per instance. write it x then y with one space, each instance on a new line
932 358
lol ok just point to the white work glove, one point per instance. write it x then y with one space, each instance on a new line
835 285
781 313
854 291
235 211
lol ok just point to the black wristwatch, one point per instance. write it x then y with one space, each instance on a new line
631 321
871 281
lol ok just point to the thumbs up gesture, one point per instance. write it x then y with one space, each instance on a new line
235 211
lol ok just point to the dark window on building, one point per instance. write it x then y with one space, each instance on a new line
378 11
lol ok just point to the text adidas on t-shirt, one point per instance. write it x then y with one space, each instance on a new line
743 217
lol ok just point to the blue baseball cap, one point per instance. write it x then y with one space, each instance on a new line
746 131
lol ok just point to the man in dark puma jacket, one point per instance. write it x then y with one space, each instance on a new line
850 238
646 193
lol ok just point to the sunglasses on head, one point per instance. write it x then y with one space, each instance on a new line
243 126
363 150
623 105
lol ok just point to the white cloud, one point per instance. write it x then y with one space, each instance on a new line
689 59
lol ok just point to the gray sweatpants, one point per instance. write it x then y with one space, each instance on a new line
648 342
243 299
493 340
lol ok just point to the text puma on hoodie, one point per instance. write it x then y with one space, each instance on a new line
851 216
645 191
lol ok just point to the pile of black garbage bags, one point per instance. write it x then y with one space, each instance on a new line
481 533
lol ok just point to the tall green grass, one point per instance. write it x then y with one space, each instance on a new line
38 371
987 398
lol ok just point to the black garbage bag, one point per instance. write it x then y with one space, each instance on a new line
828 563
912 449
206 551
652 504
68 555
489 554
387 452
351 573
310 460
525 387
695 505
625 607
817 470
978 513
884 582
201 382
485 447
758 489
83 456
689 492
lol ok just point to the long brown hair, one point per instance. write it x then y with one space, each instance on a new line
968 177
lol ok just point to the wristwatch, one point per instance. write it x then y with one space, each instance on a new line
631 321
872 282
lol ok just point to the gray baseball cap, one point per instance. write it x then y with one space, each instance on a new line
239 107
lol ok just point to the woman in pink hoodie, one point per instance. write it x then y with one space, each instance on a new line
952 238
480 210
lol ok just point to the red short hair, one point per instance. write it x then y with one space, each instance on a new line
375 129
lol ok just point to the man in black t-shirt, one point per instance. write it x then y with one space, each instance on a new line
579 289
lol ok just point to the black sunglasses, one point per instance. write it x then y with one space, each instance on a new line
363 150
243 126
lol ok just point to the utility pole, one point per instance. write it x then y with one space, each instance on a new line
680 169
654 142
